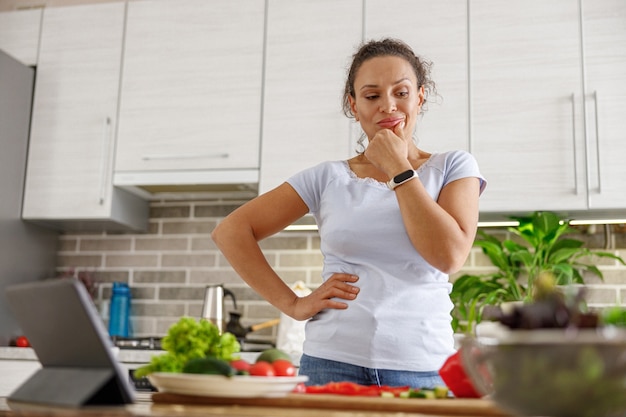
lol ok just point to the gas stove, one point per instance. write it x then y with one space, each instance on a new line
154 343
139 343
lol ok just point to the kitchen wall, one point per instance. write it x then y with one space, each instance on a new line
169 267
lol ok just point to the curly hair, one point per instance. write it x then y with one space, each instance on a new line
387 47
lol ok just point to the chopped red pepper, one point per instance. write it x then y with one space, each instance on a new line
351 388
453 374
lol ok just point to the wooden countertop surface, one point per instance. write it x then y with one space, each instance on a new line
301 405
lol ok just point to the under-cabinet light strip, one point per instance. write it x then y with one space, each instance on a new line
313 227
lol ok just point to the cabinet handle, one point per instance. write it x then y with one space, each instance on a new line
185 156
595 109
573 100
106 134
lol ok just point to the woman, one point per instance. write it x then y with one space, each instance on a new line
393 222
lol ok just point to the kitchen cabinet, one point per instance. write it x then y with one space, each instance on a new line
437 32
74 119
538 78
526 117
19 34
191 89
604 43
309 46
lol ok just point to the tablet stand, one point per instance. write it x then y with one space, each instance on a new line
70 387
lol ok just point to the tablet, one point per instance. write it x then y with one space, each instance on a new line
72 344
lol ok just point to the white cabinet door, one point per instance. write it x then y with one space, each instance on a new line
437 32
69 173
309 46
19 34
525 104
191 87
604 29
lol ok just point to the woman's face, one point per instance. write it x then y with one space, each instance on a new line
386 94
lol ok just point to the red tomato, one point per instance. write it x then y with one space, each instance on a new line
22 341
283 367
240 365
262 368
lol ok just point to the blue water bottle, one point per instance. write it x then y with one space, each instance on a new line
119 311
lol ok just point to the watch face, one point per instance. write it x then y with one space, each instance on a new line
403 176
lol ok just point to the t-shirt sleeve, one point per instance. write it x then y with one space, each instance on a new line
461 164
309 184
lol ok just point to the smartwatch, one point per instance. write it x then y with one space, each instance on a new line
401 178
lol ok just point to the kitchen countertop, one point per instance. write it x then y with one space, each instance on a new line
17 353
125 356
144 407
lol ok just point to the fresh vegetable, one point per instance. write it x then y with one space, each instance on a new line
434 393
422 393
353 389
208 365
441 392
22 341
262 368
453 374
283 367
241 366
270 355
196 339
190 339
348 388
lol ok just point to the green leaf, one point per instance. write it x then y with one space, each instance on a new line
609 255
594 270
567 243
562 255
494 253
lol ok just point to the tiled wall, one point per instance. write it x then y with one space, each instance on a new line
169 267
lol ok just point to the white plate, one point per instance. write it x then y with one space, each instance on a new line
222 386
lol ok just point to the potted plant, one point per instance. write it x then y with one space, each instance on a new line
547 248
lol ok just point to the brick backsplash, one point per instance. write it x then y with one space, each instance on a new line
169 267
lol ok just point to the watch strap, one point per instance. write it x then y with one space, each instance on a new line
401 178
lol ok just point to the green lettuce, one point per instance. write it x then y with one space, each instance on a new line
190 339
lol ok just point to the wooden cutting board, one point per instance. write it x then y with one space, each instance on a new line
443 407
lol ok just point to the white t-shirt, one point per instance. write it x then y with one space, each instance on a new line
401 317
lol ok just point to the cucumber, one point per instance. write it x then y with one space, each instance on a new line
441 391
208 366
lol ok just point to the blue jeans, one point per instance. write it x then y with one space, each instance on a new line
323 371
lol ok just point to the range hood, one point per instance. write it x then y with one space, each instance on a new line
172 185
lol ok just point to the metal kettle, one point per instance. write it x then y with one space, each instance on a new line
213 308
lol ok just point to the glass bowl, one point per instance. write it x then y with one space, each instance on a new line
559 373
